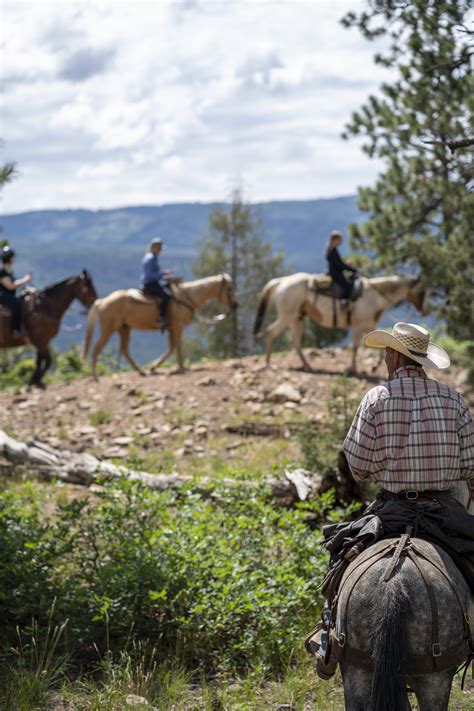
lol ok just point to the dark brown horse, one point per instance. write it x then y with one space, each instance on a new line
42 314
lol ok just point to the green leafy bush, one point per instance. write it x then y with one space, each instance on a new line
221 580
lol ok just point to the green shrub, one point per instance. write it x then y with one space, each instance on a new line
218 581
99 417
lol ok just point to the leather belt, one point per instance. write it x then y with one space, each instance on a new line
412 494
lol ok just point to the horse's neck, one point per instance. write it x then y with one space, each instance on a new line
202 290
61 299
391 289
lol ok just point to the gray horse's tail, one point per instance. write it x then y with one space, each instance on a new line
265 296
91 322
389 647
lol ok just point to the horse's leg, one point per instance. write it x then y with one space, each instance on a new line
99 346
271 332
297 331
46 357
36 377
357 688
124 342
179 352
171 346
433 690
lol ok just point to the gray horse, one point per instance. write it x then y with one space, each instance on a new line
411 628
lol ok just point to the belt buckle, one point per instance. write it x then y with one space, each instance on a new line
411 495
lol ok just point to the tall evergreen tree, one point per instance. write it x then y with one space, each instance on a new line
422 207
7 173
235 244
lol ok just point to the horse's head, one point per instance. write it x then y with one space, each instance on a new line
417 296
85 289
227 294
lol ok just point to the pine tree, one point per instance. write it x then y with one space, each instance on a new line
7 173
422 207
235 244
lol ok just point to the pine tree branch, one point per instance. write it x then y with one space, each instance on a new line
452 145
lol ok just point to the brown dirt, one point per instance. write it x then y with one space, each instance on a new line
126 414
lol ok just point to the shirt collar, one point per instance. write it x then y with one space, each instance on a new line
409 371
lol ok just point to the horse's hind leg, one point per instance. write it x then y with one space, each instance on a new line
297 331
98 348
433 690
124 342
357 688
271 332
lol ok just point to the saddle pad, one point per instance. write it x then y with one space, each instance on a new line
321 281
138 295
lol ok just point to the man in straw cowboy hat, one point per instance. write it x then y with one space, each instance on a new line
414 437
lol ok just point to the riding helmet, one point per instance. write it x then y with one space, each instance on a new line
7 253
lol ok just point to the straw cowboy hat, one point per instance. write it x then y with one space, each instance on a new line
413 341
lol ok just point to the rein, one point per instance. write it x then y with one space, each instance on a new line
190 304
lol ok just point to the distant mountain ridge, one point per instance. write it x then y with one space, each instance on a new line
54 244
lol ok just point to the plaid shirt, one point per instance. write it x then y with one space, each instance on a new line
411 433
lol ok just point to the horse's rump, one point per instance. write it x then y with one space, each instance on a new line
423 604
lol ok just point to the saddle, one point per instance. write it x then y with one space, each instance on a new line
324 285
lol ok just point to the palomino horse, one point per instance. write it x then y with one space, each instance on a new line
42 314
401 625
296 296
123 310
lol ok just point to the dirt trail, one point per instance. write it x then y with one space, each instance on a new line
169 416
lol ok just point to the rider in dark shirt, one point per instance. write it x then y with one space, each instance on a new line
337 266
154 280
8 287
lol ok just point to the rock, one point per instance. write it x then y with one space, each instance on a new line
201 431
122 440
284 393
144 431
290 405
205 382
252 396
87 430
65 398
26 405
84 405
134 700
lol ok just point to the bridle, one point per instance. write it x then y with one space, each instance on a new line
190 304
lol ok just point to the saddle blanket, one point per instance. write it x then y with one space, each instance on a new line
138 295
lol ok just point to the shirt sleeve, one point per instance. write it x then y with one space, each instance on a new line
360 441
466 444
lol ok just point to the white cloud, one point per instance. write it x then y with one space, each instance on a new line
111 103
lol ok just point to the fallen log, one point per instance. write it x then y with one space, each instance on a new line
48 463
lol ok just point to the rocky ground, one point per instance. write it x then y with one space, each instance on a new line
213 410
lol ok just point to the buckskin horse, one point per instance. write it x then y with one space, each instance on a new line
123 310
299 295
402 619
42 314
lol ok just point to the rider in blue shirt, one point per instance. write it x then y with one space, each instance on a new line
154 279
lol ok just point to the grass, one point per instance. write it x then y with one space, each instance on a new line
170 688
99 417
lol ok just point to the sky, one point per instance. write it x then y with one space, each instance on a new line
108 104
